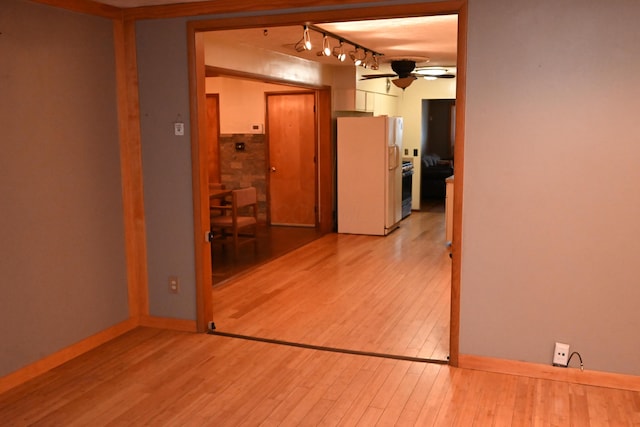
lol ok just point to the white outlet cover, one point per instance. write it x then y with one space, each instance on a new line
561 354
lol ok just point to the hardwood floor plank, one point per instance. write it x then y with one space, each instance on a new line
397 400
354 401
524 402
421 392
438 395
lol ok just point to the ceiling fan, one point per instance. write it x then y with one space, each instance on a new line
406 72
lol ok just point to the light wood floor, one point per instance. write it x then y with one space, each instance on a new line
164 378
379 294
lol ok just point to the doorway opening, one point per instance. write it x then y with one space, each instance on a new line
273 147
205 303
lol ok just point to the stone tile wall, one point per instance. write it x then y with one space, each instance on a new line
245 168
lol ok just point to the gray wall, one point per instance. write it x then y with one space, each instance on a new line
551 201
62 232
166 160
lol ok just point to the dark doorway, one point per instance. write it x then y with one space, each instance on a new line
438 141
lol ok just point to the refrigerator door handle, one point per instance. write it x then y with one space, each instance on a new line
394 157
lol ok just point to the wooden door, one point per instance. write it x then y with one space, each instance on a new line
291 135
212 134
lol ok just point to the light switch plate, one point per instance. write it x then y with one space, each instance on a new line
178 128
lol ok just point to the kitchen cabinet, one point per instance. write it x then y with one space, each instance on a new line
365 101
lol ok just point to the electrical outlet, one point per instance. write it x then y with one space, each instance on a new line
561 355
174 284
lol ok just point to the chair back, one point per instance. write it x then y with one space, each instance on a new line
245 196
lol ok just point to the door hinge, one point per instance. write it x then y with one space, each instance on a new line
208 236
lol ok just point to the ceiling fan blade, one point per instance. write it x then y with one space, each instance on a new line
376 76
435 76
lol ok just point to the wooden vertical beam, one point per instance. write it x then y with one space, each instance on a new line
200 178
325 161
131 167
461 90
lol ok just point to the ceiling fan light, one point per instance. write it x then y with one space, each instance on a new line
435 71
430 78
403 82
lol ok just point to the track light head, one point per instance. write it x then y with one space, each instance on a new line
326 46
356 57
374 62
306 37
338 52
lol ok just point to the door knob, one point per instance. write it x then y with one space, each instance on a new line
273 168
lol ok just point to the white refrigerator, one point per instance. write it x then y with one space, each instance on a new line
369 174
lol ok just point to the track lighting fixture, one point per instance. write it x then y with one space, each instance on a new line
358 55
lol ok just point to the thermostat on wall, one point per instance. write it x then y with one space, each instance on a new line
257 128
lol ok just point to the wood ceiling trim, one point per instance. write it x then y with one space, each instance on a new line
342 15
214 7
85 6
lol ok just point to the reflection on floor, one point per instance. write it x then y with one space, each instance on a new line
273 241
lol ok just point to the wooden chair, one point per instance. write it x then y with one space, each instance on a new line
237 223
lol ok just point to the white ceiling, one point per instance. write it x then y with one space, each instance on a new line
429 41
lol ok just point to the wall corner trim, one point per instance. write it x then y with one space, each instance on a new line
549 372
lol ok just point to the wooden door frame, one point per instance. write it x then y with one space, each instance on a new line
195 29
316 149
217 137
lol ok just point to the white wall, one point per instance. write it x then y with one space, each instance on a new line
242 102
551 198
220 53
